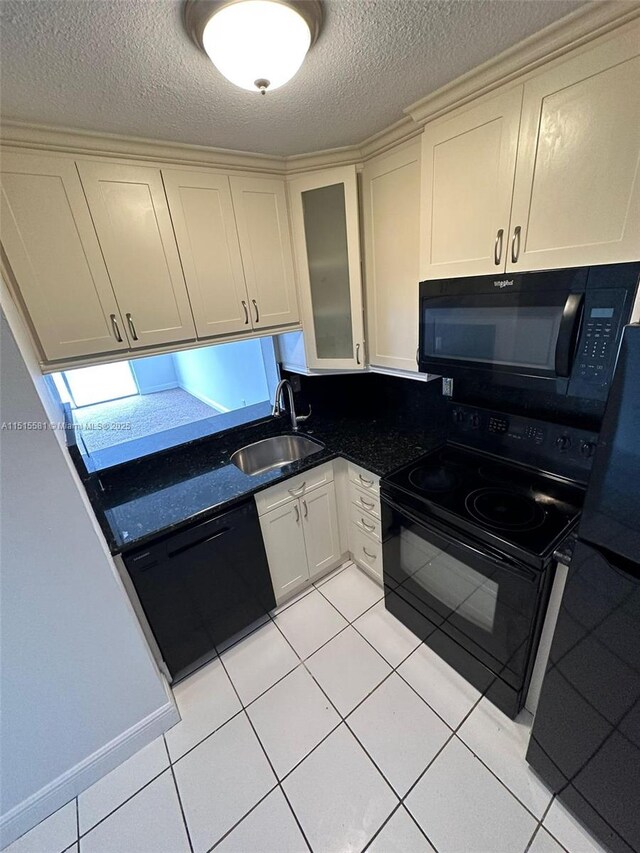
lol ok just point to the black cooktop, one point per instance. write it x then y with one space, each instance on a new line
511 506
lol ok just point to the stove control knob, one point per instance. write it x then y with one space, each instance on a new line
587 449
475 420
563 442
458 416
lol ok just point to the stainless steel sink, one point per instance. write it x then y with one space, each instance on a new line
273 453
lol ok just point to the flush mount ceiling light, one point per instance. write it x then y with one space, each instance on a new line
256 44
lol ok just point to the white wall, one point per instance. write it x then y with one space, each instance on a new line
227 376
80 691
155 373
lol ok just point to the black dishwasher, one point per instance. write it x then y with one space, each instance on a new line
200 586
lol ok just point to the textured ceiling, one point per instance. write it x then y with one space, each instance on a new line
127 67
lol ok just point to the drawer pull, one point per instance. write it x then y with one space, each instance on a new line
365 481
370 556
366 503
366 526
299 490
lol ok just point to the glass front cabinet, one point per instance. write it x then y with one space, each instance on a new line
324 212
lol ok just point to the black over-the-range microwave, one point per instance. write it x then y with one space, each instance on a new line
556 330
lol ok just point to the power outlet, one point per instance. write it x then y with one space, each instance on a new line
447 386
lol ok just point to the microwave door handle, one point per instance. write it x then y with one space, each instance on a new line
568 333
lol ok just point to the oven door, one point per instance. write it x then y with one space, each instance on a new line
485 610
525 333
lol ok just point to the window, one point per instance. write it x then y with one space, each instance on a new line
128 409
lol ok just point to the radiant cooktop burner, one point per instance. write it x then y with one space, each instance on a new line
505 509
508 504
433 480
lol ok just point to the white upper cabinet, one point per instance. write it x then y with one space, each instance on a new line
205 228
54 254
130 213
391 213
577 186
468 163
260 206
324 212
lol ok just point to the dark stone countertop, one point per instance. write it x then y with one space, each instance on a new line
153 496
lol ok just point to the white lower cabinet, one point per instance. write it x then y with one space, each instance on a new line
301 538
285 546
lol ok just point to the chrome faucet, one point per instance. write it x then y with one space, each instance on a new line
278 409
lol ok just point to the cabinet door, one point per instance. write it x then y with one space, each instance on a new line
324 212
260 206
468 163
131 216
53 250
205 228
321 531
391 196
284 543
577 190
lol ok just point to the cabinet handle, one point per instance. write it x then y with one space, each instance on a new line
497 248
370 556
418 356
116 329
366 503
357 353
515 244
255 305
306 509
246 313
299 490
295 506
365 481
370 527
132 328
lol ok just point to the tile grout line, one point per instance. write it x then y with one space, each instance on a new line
278 782
184 817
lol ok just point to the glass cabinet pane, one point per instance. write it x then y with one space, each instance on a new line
325 229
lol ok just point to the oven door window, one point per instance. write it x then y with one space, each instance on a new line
509 332
487 607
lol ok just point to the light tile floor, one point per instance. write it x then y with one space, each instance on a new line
327 728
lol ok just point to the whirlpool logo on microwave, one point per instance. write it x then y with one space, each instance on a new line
505 282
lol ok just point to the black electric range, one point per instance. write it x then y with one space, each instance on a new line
469 532
512 508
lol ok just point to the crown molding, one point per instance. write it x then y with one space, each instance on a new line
569 33
20 134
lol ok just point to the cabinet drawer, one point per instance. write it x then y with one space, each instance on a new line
366 552
366 522
294 487
363 478
366 500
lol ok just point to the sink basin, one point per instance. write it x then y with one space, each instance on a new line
273 453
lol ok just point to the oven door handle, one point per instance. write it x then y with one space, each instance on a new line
568 333
517 569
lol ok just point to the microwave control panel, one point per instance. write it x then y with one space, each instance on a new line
561 449
598 344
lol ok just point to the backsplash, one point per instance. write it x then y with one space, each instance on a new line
403 402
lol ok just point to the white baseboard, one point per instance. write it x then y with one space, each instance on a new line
153 389
60 791
204 399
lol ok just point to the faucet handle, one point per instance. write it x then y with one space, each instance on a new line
302 418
